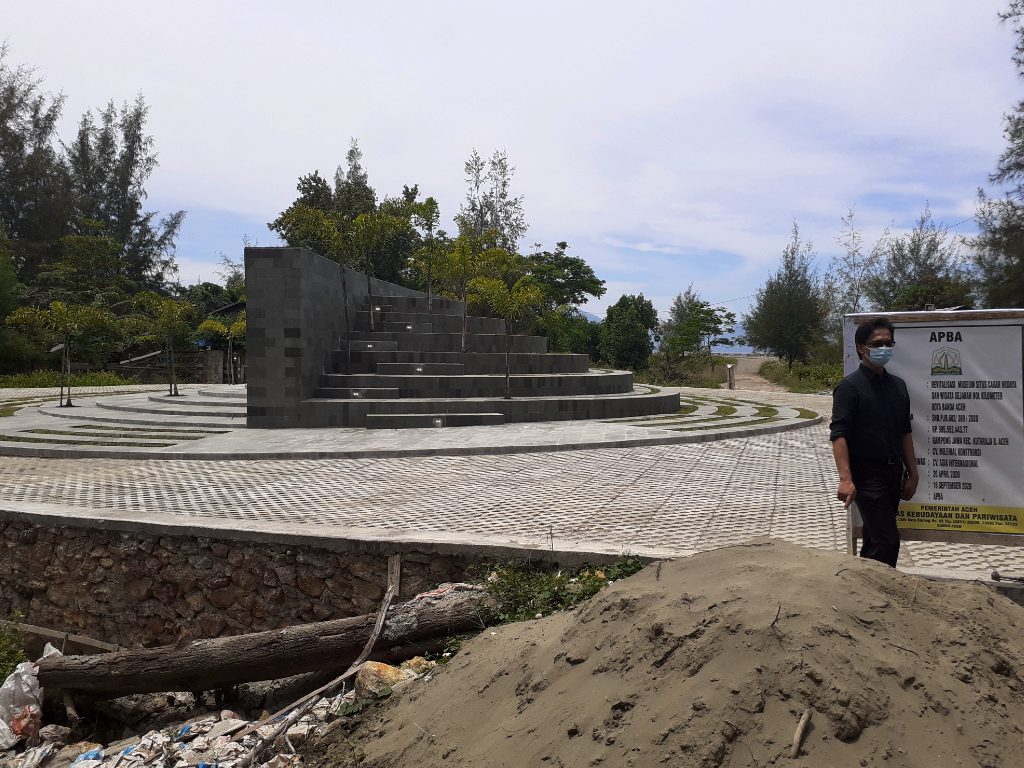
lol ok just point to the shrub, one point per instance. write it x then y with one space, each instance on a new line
803 377
38 379
525 589
12 646
690 372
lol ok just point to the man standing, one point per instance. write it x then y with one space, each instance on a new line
871 441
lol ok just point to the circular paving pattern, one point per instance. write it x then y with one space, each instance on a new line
208 422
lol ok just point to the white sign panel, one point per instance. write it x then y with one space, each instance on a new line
967 400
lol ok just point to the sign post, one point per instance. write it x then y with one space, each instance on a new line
965 374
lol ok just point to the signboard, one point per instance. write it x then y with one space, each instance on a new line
964 374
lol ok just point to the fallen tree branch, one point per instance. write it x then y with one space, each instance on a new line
226 661
801 729
307 702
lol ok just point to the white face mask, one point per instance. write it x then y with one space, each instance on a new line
880 355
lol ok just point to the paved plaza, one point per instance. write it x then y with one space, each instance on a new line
649 499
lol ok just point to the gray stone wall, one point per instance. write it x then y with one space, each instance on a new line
299 306
142 588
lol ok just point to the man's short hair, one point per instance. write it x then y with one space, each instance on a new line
868 327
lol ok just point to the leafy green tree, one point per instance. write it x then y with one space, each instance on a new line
93 187
564 279
789 309
509 290
109 162
8 277
627 332
35 206
232 272
999 249
489 203
230 332
206 297
164 321
919 268
353 195
569 330
844 283
371 243
425 217
67 325
680 333
695 326
302 226
16 351
456 269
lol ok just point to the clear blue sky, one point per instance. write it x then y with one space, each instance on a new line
668 142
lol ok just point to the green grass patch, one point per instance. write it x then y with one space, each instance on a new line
806 378
525 589
21 439
803 413
154 435
764 411
725 410
37 379
162 430
10 407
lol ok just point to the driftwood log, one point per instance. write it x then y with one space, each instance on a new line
221 662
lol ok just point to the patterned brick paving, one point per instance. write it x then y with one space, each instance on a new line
668 499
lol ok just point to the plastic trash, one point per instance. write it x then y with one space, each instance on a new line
19 690
7 737
26 724
86 757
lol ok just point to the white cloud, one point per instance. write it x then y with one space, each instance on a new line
644 135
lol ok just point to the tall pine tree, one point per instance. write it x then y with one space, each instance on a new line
789 309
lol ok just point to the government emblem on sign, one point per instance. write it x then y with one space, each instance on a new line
946 362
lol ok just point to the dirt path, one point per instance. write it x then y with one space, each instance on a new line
747 376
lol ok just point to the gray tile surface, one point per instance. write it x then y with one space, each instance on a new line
656 499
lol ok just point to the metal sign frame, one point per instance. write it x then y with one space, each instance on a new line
950 319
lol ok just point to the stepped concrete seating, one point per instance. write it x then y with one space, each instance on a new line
407 365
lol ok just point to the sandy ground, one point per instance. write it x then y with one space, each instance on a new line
711 660
747 376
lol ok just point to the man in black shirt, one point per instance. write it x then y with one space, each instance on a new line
871 441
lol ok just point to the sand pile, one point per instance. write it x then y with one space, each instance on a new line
711 661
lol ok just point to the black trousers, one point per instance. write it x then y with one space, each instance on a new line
878 497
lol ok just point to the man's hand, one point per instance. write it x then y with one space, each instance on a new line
847 492
909 487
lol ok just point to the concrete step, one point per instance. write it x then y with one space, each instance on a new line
236 392
452 342
417 369
365 361
420 420
490 385
360 345
414 304
354 393
322 412
434 322
169 410
197 402
94 414
400 327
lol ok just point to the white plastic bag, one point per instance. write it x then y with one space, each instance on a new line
7 737
20 690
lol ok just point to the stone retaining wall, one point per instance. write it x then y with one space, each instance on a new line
138 588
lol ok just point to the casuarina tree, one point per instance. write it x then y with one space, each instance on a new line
789 309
